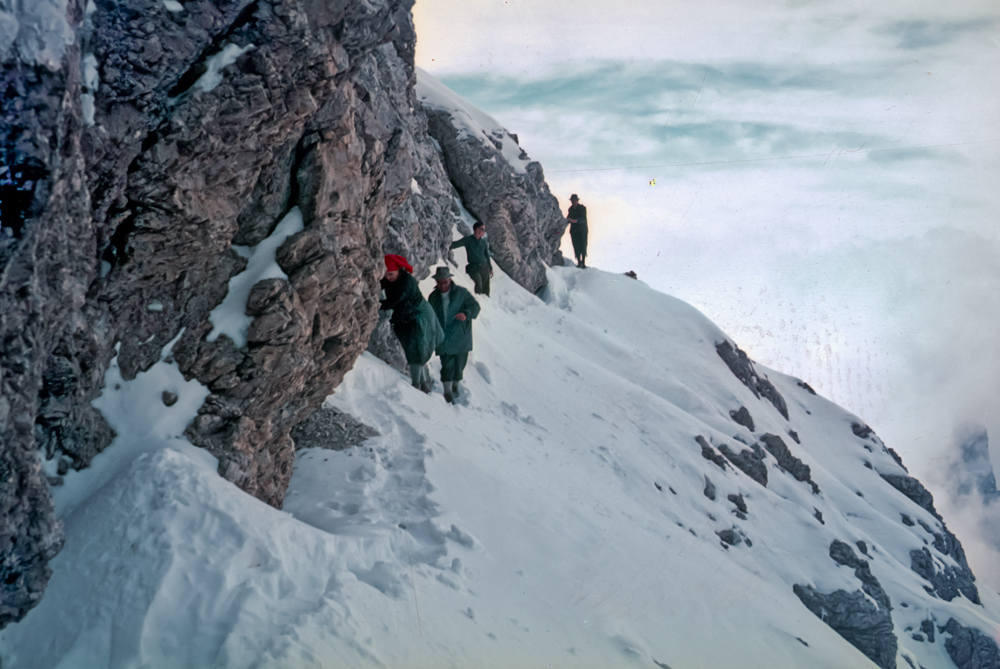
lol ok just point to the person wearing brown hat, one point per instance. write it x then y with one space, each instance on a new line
413 321
455 308
577 217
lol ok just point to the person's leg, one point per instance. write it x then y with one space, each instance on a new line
426 382
486 280
416 374
447 375
461 360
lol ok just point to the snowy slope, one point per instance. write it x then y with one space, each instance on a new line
555 518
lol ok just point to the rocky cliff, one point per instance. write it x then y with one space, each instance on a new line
150 146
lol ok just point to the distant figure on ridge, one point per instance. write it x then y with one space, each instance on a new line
479 254
577 217
455 308
413 320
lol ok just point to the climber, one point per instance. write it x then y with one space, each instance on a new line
479 255
412 319
455 308
577 217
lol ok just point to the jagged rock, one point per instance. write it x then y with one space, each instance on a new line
946 582
750 462
795 436
843 554
805 386
742 417
740 365
974 470
927 628
331 428
709 453
913 489
776 446
861 431
738 501
861 622
969 648
522 217
124 225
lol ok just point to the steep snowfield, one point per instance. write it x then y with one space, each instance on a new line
557 517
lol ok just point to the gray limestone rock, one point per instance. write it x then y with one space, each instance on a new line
969 648
946 581
861 622
749 460
776 446
742 417
522 217
332 429
741 366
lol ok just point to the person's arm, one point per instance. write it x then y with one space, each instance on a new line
470 307
464 241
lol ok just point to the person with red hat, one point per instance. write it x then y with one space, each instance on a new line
413 321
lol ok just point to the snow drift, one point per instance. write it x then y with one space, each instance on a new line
581 507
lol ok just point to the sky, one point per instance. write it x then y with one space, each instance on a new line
818 178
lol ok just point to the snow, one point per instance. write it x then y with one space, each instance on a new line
229 318
217 63
91 81
468 118
533 524
173 6
38 29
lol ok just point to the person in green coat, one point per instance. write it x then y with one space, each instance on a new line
480 255
455 307
413 321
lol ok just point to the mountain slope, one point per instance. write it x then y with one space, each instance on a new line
559 516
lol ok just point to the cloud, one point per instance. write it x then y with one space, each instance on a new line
914 35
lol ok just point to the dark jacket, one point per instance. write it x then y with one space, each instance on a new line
457 334
413 321
478 250
402 297
579 212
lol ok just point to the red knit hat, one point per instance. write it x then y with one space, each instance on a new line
394 263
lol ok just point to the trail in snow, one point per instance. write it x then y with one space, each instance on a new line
557 517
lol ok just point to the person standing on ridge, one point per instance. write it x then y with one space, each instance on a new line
455 308
479 254
413 321
577 217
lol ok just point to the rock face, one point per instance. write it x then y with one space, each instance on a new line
507 193
969 648
864 623
142 145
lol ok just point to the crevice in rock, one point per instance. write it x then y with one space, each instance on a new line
199 67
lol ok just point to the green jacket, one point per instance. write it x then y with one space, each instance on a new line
457 334
418 330
478 250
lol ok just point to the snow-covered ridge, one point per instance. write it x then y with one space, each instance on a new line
469 118
561 515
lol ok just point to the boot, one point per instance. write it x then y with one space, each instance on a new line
448 397
456 390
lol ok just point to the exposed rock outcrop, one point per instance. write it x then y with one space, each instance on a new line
749 460
969 648
499 185
145 147
946 581
865 624
743 368
777 447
